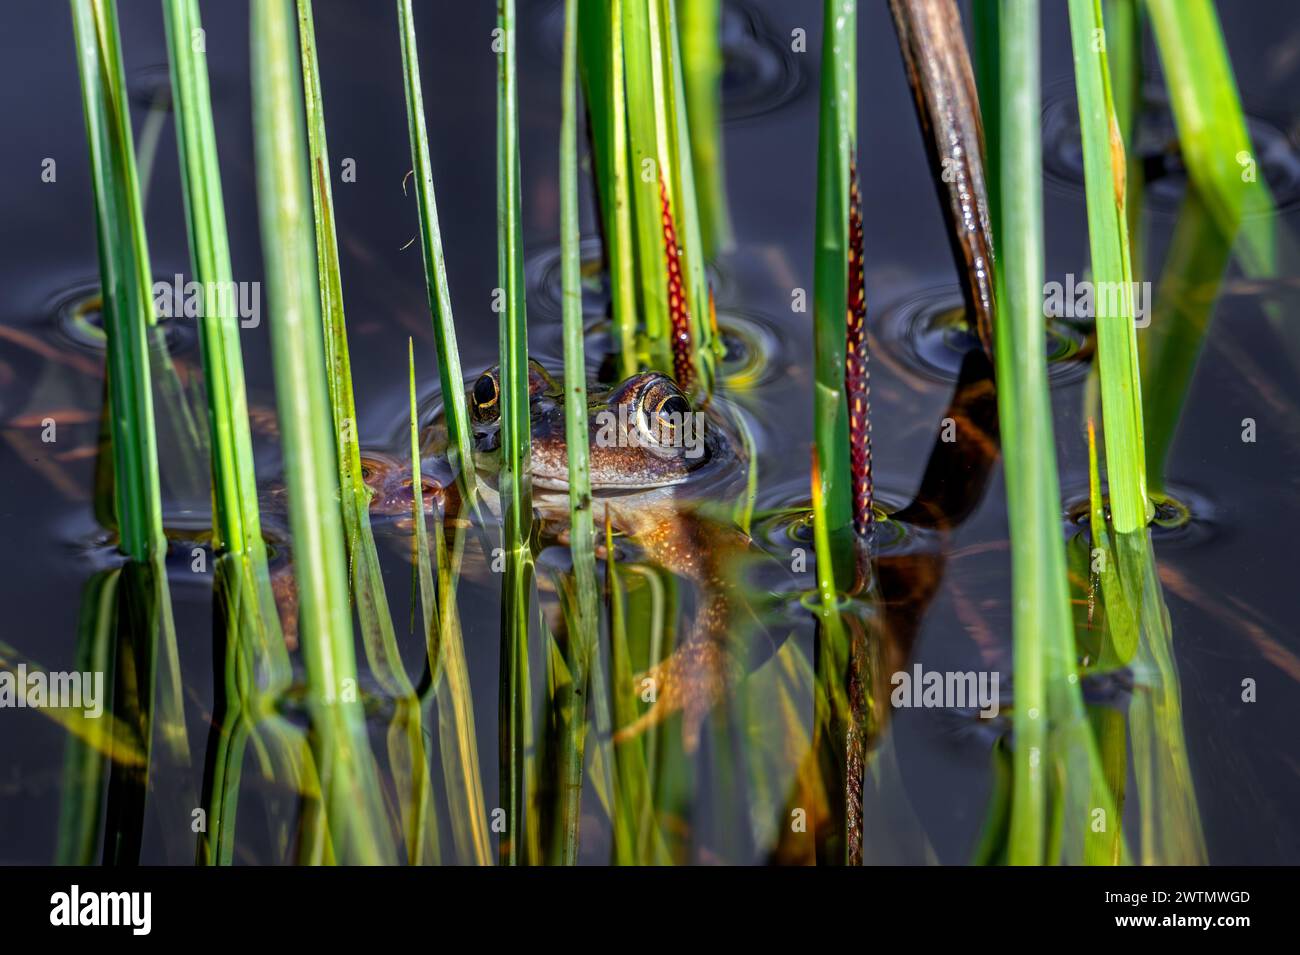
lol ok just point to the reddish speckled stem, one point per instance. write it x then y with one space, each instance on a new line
679 310
857 377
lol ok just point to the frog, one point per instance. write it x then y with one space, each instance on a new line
659 466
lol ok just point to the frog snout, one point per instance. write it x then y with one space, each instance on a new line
397 498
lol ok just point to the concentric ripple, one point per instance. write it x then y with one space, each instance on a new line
929 334
1275 155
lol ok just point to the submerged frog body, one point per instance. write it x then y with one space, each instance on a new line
655 463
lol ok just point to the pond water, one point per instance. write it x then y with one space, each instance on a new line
1229 583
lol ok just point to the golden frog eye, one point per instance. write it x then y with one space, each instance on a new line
666 411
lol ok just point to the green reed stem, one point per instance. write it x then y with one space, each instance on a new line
448 672
684 198
584 622
242 578
1123 21
145 605
600 56
1135 611
701 35
837 137
646 126
1212 126
1058 779
515 478
1037 557
459 434
405 737
1112 271
349 785
124 266
237 528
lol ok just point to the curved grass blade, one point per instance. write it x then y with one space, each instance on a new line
459 435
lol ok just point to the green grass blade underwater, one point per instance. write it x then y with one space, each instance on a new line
514 475
406 751
583 622
460 437
352 802
147 647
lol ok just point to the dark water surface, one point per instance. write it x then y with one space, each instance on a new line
1229 574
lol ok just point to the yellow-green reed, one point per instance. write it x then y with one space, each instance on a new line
350 796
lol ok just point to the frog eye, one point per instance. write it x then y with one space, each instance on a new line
670 409
663 409
370 471
485 395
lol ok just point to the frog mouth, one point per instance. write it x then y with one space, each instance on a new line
550 481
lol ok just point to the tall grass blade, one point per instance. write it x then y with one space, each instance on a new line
460 438
124 265
237 527
669 249
128 321
1212 130
683 201
1104 177
834 265
600 55
1056 773
1135 609
515 478
405 738
584 623
1038 569
350 793
448 679
242 579
702 67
